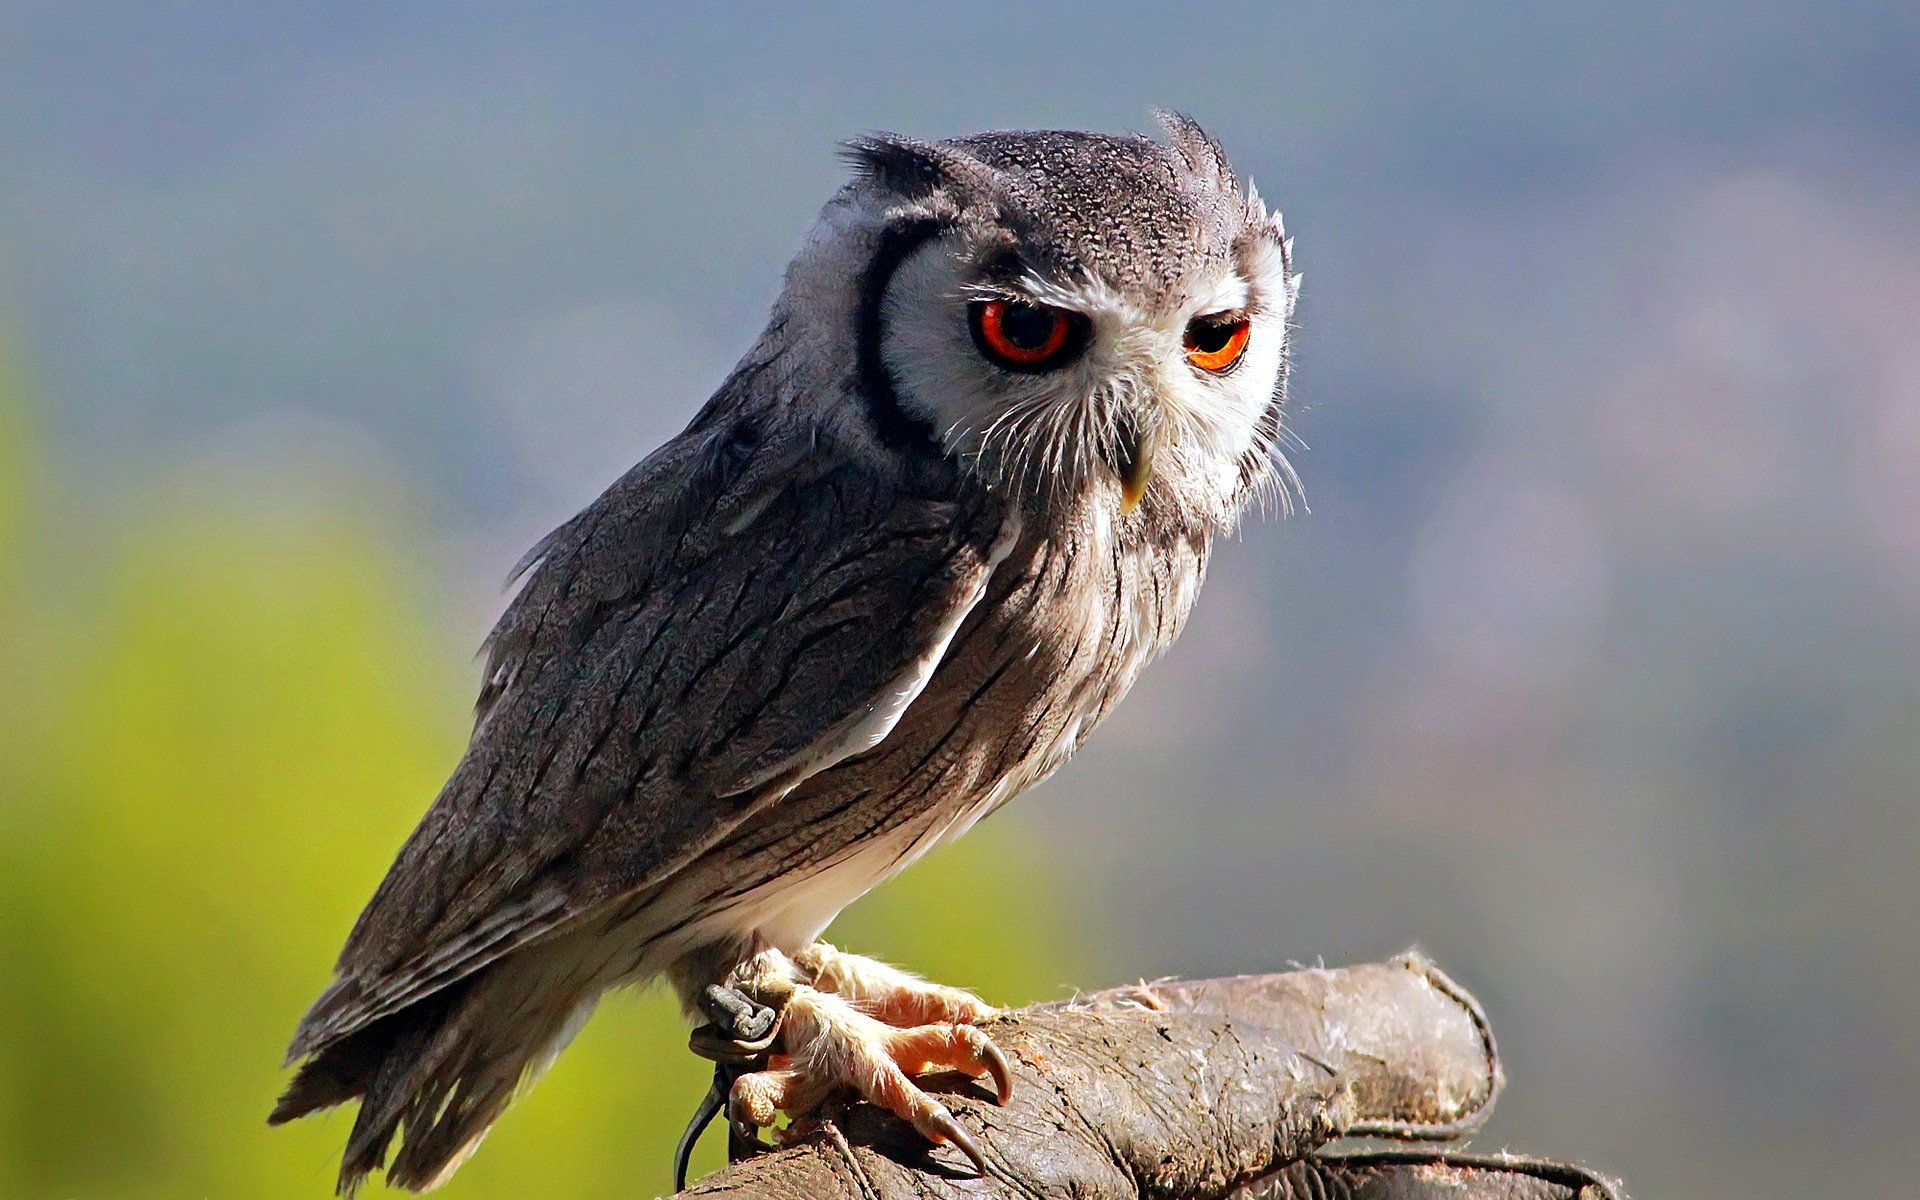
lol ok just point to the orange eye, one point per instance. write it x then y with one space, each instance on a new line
1216 343
1022 336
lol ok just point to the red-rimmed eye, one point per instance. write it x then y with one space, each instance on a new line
1216 343
1022 336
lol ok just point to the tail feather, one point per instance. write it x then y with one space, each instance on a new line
436 1074
337 1074
355 1001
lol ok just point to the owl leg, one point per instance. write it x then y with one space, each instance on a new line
829 1044
899 998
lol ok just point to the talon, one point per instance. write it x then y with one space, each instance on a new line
872 1034
799 1130
743 1128
938 1126
998 1068
963 1048
743 1141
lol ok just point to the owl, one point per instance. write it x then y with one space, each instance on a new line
918 544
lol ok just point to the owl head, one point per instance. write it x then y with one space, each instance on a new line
1080 319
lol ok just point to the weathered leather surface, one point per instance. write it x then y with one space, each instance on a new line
1200 1090
1389 1175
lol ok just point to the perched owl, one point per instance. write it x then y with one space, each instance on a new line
924 537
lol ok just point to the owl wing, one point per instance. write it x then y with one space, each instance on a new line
720 624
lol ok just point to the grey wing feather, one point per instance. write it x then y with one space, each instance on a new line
663 674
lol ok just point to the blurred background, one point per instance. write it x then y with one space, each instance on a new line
1594 669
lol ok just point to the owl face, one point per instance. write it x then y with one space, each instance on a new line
1082 317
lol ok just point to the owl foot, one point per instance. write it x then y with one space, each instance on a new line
832 1045
847 1023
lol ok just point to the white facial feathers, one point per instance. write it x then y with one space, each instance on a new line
1059 431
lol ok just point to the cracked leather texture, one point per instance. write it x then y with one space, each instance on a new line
1201 1090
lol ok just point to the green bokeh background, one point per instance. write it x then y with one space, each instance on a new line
219 724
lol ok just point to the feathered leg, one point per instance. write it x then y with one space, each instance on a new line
899 998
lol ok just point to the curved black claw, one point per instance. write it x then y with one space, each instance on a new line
743 1139
942 1122
998 1069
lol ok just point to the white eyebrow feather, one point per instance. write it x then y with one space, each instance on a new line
1228 294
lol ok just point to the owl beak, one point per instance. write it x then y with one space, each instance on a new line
1135 467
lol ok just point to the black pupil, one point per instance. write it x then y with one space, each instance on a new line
1208 337
1027 326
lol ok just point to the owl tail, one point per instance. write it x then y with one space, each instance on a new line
438 1073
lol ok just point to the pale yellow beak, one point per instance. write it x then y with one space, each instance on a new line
1136 469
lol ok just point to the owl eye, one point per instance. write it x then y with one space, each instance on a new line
1021 336
1215 343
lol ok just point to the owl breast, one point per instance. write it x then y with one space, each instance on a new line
1069 620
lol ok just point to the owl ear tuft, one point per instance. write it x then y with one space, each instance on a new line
905 165
1203 155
